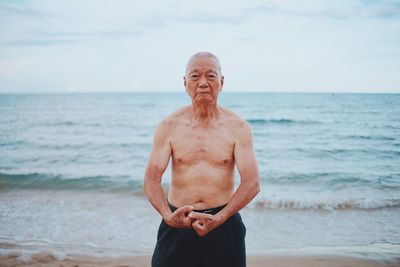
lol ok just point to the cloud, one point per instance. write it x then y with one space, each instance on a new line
122 46
204 17
382 9
24 11
153 23
96 34
245 38
272 9
364 9
36 42
40 38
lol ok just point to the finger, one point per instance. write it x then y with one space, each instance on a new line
187 220
198 215
184 209
199 229
197 225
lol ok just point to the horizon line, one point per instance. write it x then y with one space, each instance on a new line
184 92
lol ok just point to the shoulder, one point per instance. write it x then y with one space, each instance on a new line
239 128
172 120
236 123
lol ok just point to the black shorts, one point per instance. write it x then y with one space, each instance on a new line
223 246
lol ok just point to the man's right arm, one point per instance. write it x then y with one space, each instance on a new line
156 166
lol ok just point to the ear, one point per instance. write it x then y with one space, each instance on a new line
184 84
222 83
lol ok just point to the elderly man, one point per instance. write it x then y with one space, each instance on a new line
200 223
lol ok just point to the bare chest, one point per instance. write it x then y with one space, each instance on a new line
193 144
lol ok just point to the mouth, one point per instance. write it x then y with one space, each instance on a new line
202 93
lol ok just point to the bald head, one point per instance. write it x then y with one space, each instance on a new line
203 55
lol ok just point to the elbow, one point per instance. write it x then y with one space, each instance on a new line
150 182
256 186
252 187
147 185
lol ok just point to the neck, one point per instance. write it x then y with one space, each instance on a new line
205 112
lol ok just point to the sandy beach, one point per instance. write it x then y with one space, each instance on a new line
48 260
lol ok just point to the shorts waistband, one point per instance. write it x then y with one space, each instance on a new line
212 211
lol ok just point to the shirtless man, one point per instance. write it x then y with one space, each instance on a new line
201 225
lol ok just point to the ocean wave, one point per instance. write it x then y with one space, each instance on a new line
43 181
84 124
326 204
13 143
282 121
62 123
339 153
334 180
389 126
370 137
106 144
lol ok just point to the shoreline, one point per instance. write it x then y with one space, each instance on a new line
258 260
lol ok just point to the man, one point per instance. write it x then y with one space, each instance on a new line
201 225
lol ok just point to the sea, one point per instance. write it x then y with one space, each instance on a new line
72 166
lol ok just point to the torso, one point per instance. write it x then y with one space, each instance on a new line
202 160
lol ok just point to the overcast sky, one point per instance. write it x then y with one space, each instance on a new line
128 46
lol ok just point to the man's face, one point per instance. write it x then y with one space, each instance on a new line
203 80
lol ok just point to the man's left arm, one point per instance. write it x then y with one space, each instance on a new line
249 183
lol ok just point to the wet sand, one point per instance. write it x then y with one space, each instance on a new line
48 260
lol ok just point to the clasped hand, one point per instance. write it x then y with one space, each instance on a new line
185 217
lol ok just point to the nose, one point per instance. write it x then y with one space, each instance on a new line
203 82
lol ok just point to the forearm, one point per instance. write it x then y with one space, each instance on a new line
155 194
243 195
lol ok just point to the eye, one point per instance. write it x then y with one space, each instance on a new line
212 75
194 76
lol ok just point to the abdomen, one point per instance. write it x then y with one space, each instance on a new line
202 185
